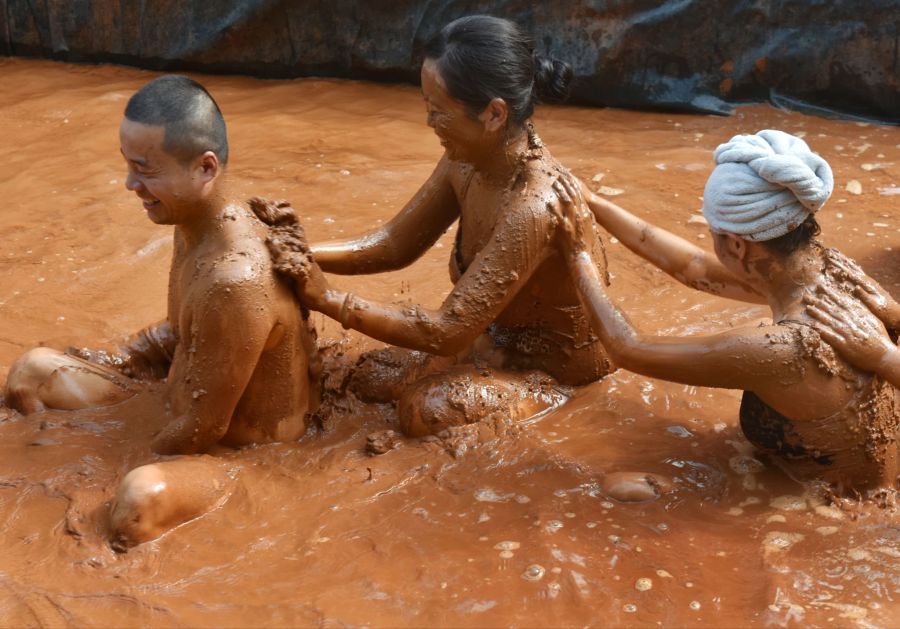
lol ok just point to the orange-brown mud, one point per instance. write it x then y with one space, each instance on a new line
509 532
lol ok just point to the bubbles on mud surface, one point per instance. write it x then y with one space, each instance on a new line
695 605
489 495
679 431
606 504
663 574
629 607
507 554
643 584
745 465
553 526
788 503
534 572
780 541
553 589
507 545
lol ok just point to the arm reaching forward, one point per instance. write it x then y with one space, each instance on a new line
518 245
686 262
732 360
403 239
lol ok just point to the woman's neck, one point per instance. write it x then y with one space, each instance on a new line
790 278
502 163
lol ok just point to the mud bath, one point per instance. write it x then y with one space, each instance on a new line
514 532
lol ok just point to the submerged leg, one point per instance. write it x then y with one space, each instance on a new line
465 395
153 499
46 378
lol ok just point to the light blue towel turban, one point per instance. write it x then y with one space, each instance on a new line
765 185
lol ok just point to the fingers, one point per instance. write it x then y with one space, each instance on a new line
823 314
829 335
560 188
570 187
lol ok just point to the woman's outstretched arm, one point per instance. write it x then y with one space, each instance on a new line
401 240
733 360
519 244
686 262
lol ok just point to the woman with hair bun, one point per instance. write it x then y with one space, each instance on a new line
802 402
513 317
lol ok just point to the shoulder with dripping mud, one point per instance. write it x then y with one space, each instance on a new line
404 238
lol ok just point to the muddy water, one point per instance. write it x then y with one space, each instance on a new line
511 532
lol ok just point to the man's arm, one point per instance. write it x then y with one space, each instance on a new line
403 239
227 335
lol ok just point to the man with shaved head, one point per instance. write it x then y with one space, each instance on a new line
235 349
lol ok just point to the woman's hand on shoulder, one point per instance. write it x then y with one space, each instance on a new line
294 261
876 299
855 332
570 211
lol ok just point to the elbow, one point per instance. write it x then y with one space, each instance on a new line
623 351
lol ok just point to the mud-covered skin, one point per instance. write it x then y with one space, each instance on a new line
213 292
843 421
510 281
464 395
496 179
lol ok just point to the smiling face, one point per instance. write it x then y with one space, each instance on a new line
465 138
169 188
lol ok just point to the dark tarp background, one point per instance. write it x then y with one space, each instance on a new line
693 55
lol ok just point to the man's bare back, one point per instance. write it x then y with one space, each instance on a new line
243 343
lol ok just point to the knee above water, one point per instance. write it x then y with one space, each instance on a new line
35 364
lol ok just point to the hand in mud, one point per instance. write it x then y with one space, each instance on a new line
290 251
569 210
310 284
850 328
275 213
876 299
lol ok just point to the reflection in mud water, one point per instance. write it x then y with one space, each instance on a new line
515 530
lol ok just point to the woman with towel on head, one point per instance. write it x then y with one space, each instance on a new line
802 402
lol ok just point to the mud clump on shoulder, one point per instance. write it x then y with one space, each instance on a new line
287 240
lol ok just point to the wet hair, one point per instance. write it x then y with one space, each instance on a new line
191 118
481 58
798 237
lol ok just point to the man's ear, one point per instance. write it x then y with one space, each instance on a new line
208 166
494 115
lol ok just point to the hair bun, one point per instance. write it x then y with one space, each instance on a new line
552 79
